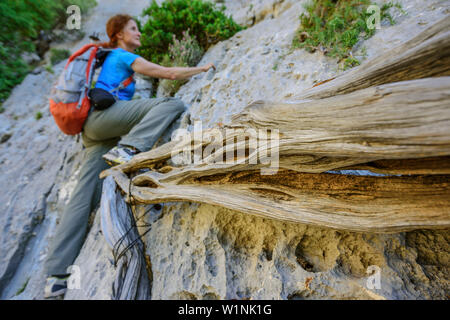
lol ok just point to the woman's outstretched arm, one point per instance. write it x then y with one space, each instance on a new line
140 65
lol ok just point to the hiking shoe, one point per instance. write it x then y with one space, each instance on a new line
119 155
55 286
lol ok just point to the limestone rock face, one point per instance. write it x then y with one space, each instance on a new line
248 13
202 251
206 252
37 162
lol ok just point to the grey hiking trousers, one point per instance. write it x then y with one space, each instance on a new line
136 123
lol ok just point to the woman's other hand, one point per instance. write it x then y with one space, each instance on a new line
208 66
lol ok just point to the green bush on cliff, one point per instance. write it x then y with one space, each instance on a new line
206 23
22 21
58 55
335 26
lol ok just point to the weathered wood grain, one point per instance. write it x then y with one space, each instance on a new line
403 120
433 165
357 203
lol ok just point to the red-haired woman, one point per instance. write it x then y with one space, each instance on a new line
124 129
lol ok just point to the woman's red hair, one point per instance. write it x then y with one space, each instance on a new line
114 25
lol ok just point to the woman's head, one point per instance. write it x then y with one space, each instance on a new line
123 32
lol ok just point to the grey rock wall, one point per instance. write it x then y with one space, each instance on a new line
206 252
37 161
39 166
201 251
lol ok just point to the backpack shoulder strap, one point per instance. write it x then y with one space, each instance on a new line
79 52
125 83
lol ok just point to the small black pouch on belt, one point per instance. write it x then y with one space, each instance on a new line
101 99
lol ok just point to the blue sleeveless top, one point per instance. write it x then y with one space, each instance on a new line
115 69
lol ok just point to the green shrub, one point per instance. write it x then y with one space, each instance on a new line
22 21
335 26
182 53
57 55
186 51
206 23
49 69
12 70
38 115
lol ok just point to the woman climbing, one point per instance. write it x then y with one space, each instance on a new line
115 135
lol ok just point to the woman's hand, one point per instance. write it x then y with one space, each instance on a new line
208 66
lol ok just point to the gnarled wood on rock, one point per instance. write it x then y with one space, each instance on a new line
357 203
408 119
403 120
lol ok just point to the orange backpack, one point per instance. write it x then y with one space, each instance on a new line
69 101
